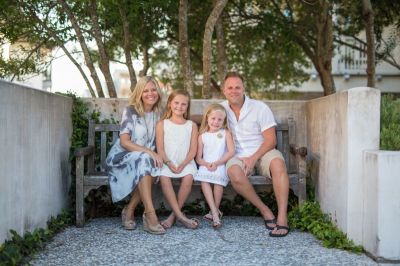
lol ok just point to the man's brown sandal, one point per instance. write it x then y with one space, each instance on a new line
271 221
280 227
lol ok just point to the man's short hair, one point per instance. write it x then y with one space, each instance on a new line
233 74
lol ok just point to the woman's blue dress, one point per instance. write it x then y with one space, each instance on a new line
125 168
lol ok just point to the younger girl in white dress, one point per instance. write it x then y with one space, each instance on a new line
215 148
176 139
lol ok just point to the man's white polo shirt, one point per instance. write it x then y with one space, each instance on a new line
255 117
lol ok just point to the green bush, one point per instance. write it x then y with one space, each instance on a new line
390 123
19 250
309 217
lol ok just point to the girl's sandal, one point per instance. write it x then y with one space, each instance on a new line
166 224
209 217
217 223
193 224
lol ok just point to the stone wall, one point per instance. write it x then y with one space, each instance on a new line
35 172
381 209
339 128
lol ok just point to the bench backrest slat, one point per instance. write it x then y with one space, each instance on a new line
115 136
291 163
103 150
91 142
107 131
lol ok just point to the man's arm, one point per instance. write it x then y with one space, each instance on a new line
268 144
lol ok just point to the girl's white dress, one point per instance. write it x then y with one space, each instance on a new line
176 145
214 147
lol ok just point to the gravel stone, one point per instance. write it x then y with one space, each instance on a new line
240 241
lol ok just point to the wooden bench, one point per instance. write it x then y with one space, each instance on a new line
96 176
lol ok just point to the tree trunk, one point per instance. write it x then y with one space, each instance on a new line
127 48
85 49
143 72
368 16
184 51
221 53
208 32
59 42
324 49
104 60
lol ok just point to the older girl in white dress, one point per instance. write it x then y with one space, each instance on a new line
176 139
215 148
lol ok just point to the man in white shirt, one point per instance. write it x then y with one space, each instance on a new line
253 129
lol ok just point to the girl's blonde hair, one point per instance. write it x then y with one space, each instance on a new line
168 111
136 97
212 108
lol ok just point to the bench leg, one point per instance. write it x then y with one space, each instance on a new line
302 171
80 211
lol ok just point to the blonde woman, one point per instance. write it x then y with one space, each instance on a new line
132 162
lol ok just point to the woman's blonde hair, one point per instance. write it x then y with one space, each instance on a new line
212 108
168 111
136 97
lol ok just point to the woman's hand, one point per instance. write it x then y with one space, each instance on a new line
157 159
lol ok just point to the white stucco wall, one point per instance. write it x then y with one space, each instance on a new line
339 128
381 215
35 131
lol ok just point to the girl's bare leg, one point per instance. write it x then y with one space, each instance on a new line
174 202
208 194
218 192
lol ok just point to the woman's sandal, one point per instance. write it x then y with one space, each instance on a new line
127 224
271 221
280 227
123 215
152 229
194 223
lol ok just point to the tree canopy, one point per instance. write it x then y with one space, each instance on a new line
193 42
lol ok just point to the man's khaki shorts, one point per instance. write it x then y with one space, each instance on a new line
262 165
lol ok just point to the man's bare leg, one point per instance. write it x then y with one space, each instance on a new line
280 184
243 187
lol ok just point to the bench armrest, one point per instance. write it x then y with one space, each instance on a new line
300 154
80 152
302 151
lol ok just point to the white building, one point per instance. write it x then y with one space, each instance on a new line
349 71
40 81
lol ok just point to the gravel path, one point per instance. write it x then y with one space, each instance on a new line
240 241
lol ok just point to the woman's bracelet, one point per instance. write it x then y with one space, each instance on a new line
167 162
